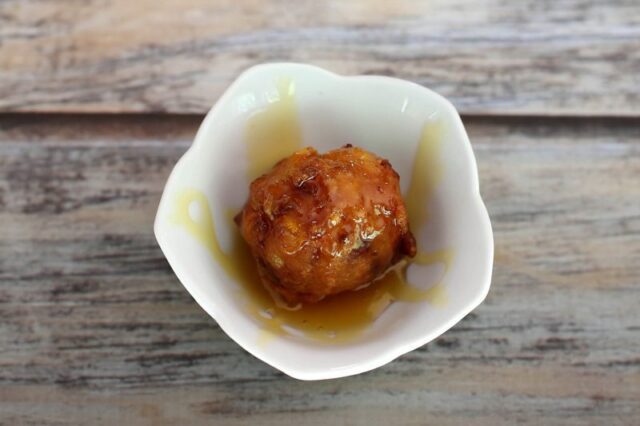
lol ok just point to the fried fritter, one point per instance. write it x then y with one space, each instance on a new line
319 225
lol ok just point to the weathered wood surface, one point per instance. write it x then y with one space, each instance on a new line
96 329
574 57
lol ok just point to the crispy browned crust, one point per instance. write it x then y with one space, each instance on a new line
322 224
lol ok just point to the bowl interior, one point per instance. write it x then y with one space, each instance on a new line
385 116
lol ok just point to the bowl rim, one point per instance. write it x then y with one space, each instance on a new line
393 351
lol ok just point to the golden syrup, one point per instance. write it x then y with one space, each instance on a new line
425 175
273 134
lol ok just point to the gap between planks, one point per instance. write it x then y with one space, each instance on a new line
181 127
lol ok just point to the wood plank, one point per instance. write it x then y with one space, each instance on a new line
96 328
576 57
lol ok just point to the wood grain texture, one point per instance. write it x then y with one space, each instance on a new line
573 57
96 329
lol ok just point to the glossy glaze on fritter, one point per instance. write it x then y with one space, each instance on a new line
318 225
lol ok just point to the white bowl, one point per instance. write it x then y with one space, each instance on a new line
383 115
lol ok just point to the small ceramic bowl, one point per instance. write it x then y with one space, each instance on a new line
386 116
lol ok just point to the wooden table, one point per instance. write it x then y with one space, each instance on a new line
99 99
